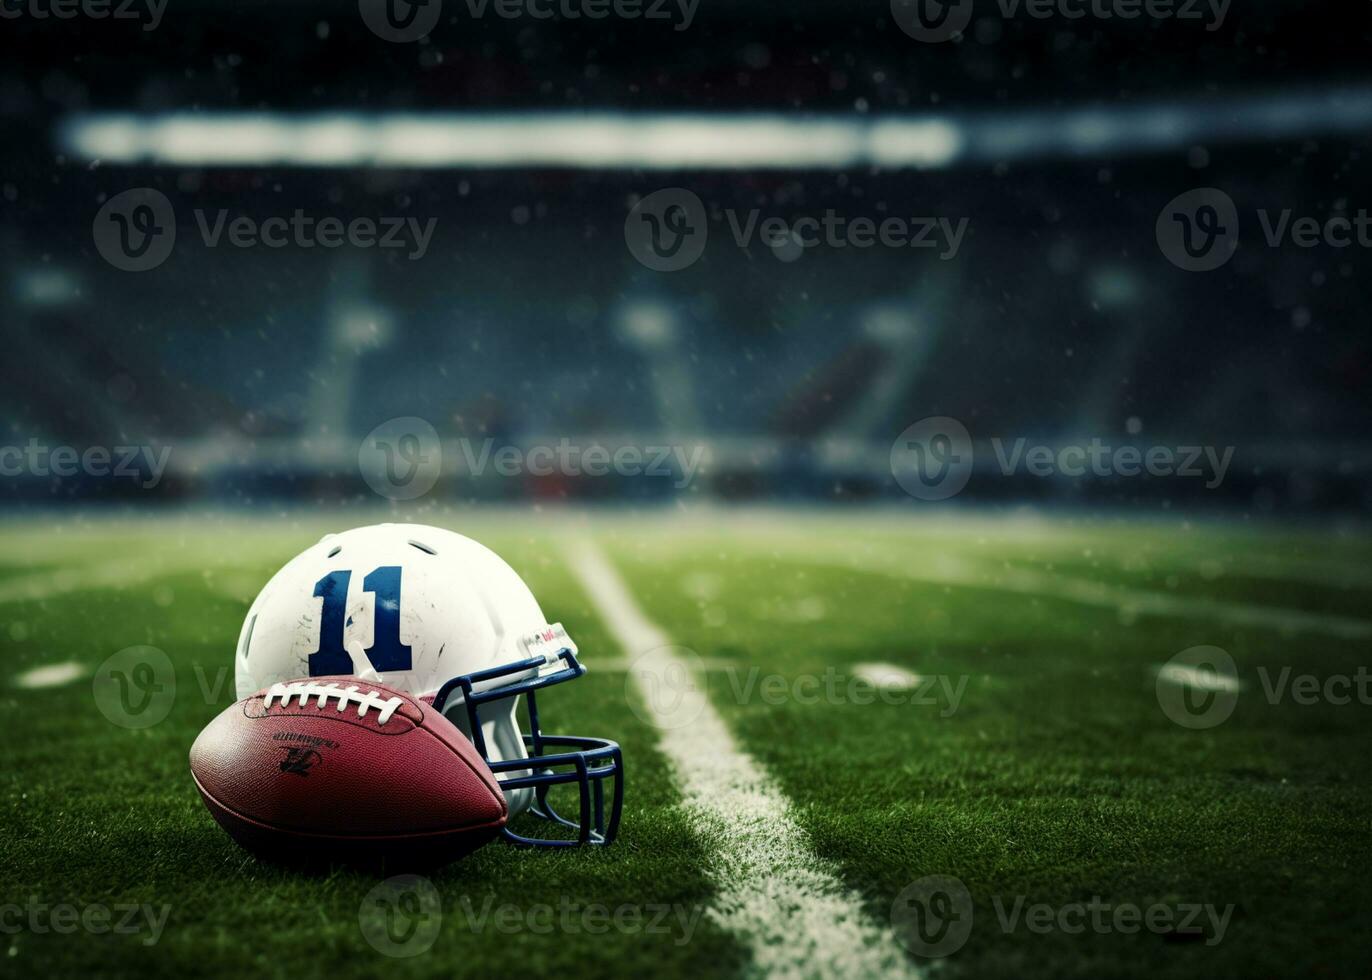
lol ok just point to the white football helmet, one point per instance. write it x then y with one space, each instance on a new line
442 617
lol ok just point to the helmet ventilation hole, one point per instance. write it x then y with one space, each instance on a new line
423 547
335 551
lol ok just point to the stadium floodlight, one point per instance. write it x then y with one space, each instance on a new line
228 140
928 143
650 141
699 141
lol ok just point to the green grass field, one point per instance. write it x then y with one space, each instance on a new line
1033 761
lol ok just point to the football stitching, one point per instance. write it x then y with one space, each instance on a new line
323 692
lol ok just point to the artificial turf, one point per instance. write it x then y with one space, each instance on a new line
1054 777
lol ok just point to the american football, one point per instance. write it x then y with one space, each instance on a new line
690 489
345 770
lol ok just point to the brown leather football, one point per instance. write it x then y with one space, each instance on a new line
346 769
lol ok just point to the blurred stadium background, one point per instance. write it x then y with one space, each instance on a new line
529 321
1088 758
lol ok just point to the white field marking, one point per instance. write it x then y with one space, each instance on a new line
950 570
119 574
114 574
1142 602
624 664
51 675
1198 678
885 676
1335 574
771 890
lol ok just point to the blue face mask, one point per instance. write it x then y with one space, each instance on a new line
552 760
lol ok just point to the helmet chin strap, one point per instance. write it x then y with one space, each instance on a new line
362 665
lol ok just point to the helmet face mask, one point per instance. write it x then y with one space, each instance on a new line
539 763
444 618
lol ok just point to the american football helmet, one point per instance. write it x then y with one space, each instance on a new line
444 618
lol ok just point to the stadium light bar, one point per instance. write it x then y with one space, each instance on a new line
696 141
591 141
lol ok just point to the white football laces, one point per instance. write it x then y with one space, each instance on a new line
345 695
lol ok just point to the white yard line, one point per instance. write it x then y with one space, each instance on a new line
951 570
1198 678
122 573
1144 603
772 891
106 575
51 675
886 676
